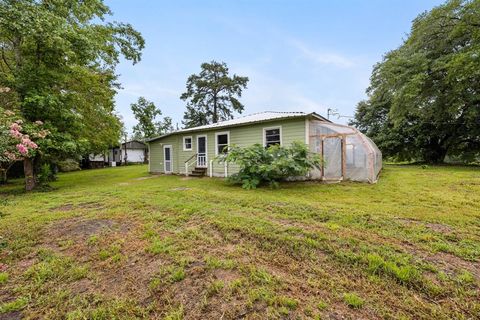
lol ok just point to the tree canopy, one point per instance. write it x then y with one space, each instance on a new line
148 126
212 95
424 97
59 58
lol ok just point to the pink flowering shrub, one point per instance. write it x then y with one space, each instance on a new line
17 138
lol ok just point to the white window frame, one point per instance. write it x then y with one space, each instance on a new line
191 143
216 140
272 128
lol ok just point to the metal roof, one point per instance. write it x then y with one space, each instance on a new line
252 118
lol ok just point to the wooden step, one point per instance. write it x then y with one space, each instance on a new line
197 174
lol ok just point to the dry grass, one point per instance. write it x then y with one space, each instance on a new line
115 243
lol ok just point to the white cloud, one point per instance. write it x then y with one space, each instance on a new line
321 57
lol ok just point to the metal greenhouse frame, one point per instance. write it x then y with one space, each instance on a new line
347 153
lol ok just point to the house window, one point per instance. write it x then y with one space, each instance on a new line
221 142
187 143
272 136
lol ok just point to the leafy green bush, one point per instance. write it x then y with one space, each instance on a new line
68 165
260 165
46 174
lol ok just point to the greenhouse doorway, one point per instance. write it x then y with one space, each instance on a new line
333 159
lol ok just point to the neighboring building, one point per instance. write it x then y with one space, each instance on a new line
347 153
94 161
135 151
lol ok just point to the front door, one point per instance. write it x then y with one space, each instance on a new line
167 155
202 151
332 156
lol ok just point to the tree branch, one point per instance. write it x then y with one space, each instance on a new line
5 60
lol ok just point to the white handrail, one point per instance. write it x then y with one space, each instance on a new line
219 161
188 164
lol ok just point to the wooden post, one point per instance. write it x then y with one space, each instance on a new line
323 160
125 156
344 157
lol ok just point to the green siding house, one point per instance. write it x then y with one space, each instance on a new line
347 153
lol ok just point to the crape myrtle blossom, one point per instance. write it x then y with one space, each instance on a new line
20 135
10 155
22 149
16 126
42 134
16 134
29 143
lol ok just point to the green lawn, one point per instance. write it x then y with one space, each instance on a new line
118 243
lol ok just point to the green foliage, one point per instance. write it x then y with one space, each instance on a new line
322 305
59 60
260 165
405 274
68 165
465 278
215 287
423 98
146 112
14 305
287 302
212 95
46 174
268 234
353 301
175 313
3 277
158 246
19 139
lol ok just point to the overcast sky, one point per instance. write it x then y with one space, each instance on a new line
299 55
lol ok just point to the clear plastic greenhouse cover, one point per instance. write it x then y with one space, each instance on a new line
347 153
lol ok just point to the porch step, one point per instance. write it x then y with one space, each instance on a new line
198 172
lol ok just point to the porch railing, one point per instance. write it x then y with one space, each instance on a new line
201 160
225 168
189 162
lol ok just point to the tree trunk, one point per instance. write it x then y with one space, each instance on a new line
435 155
3 178
215 116
30 181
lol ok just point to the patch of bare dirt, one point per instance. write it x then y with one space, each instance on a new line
80 228
128 278
147 177
437 227
64 207
452 264
193 293
180 189
15 315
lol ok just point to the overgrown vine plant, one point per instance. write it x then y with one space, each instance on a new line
19 142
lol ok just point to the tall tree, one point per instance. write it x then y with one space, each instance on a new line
59 59
212 95
146 114
424 98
